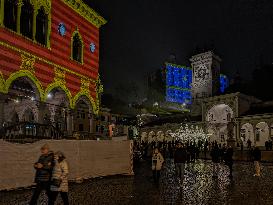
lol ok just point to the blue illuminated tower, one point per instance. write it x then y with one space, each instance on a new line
178 84
179 81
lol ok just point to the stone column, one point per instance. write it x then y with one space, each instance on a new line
18 20
254 131
34 24
52 110
69 122
1 113
2 12
41 112
269 127
238 131
91 124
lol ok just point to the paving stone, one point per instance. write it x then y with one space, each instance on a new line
198 187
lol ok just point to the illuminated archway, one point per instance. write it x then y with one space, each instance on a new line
247 133
218 117
160 136
83 120
56 85
151 136
144 137
28 75
168 136
261 133
87 98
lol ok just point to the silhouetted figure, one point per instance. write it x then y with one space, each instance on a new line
229 159
215 154
180 158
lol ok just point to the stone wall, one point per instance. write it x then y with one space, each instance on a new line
86 159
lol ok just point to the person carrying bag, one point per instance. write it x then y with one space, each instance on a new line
157 162
59 179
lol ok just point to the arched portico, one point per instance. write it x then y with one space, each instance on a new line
261 133
247 133
217 119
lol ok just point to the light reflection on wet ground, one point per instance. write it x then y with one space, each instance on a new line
198 187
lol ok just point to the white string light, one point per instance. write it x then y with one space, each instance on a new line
189 134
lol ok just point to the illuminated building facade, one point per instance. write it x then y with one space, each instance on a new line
49 65
179 83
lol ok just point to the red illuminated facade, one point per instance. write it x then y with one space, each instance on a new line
54 48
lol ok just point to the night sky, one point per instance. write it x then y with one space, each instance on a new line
141 34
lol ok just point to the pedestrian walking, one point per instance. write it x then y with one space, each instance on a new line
180 158
157 162
43 168
228 156
257 159
59 179
170 149
215 154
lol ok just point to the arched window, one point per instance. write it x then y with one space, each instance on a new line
77 48
26 19
41 26
10 14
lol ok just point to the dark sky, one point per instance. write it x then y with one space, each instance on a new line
141 34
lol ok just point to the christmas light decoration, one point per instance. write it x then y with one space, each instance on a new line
178 84
189 134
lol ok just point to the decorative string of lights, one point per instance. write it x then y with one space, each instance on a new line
189 134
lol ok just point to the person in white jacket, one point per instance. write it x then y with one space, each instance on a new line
59 179
157 162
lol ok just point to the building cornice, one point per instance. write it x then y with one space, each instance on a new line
221 97
86 12
256 117
178 66
204 56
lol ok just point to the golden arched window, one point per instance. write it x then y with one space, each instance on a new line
41 26
77 47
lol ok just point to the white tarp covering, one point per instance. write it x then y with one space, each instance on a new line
86 159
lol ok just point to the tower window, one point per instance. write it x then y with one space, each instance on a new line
77 48
41 26
10 14
26 19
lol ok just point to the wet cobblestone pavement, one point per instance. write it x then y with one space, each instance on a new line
198 187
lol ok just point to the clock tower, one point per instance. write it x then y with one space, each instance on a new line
206 75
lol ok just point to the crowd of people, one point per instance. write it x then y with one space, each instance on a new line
183 153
